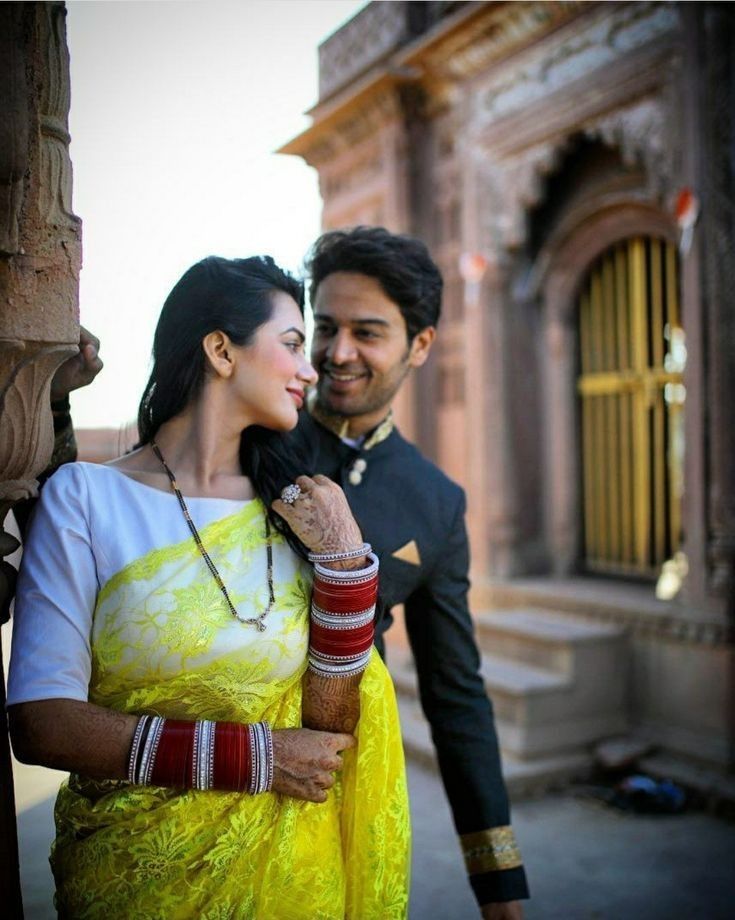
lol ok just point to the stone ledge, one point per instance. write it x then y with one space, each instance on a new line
604 600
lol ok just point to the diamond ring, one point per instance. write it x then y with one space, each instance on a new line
290 493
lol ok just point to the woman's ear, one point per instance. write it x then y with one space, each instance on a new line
219 353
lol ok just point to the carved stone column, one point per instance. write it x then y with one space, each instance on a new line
714 31
40 257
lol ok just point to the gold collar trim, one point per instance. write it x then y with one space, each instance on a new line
339 425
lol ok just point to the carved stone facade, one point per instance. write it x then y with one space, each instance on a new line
538 135
40 258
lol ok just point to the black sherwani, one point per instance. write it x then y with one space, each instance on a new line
405 504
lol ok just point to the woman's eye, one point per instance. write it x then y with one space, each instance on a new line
295 346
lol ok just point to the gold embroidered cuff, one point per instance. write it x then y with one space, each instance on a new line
491 850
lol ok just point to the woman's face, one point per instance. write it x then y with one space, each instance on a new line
272 372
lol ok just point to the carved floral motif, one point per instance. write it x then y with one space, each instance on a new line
565 59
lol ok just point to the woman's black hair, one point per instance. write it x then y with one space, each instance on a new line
234 296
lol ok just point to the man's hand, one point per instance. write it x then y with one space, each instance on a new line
79 370
503 910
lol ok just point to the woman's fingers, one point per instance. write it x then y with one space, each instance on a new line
320 516
305 761
341 740
306 484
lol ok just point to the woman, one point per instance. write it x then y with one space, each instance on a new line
161 639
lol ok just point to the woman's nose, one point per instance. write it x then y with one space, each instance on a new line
308 374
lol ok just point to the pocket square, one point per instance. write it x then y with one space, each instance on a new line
408 553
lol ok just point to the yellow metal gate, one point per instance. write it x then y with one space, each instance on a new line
632 352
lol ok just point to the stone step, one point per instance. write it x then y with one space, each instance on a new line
501 676
540 702
584 595
549 640
523 777
536 712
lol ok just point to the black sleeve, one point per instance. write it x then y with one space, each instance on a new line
454 700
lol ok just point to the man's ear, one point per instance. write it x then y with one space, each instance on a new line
219 354
421 346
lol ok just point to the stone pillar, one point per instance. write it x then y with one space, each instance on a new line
494 394
562 472
40 257
714 32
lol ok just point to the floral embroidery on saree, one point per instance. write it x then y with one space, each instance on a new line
164 642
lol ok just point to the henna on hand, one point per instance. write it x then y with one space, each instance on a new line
321 518
305 761
330 703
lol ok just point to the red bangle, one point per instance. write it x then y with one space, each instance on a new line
232 759
224 756
172 763
342 621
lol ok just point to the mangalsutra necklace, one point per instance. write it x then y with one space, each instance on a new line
254 621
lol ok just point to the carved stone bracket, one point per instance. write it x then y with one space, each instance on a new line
26 426
642 135
510 187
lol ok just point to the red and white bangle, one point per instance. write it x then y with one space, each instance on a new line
342 624
202 755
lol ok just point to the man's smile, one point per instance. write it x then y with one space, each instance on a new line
343 376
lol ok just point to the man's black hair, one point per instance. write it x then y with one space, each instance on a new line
400 264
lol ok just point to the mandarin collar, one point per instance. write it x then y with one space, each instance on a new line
339 425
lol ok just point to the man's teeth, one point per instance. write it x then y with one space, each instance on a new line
344 377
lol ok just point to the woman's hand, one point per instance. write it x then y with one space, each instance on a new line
321 518
305 762
331 704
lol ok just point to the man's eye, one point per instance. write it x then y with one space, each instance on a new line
366 334
323 329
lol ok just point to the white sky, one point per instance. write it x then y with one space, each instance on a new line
176 109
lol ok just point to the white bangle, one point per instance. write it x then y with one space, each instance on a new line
355 576
361 550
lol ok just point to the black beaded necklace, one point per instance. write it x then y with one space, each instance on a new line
254 621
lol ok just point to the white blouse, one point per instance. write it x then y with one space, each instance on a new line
90 522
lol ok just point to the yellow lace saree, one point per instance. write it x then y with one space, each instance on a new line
163 642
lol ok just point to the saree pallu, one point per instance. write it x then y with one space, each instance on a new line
164 643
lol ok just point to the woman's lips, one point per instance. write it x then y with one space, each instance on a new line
298 397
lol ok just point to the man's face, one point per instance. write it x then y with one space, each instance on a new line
361 349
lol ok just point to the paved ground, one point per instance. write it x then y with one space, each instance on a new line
584 860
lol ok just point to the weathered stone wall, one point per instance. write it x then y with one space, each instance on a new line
40 258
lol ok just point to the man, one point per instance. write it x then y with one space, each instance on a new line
376 299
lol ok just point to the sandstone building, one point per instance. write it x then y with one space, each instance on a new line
572 167
570 164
